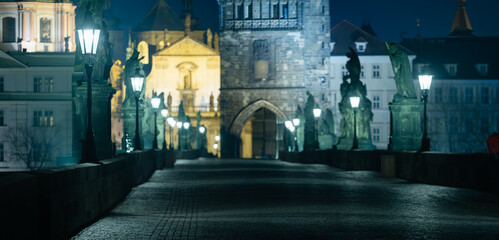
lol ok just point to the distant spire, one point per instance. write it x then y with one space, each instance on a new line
186 7
418 25
462 25
366 26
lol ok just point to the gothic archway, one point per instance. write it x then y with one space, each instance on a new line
246 113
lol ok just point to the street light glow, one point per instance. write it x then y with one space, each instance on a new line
215 146
317 112
89 38
187 125
425 82
354 101
202 130
288 124
179 125
137 81
155 101
171 121
296 122
217 138
164 112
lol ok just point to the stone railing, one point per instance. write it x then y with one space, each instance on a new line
56 203
474 171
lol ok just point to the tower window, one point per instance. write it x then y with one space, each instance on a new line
248 11
45 30
285 10
275 11
9 29
239 11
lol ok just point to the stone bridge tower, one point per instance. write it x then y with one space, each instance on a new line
272 53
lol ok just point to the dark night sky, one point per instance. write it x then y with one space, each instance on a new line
388 17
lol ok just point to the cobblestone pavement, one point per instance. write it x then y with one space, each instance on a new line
252 199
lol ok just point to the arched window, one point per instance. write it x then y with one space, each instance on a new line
9 29
45 30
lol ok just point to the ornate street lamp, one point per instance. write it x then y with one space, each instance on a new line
89 40
201 137
155 101
425 84
137 82
216 146
171 122
354 101
164 113
296 123
288 124
202 129
317 115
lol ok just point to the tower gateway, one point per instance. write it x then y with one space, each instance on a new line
272 53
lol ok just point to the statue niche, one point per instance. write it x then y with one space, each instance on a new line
187 85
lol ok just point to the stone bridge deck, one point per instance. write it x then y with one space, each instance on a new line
251 199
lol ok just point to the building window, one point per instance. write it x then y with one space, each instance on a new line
43 119
484 94
344 70
376 133
469 95
483 69
362 71
2 120
9 29
451 69
285 10
361 46
323 62
248 11
2 83
45 30
376 71
376 101
275 11
323 28
438 95
239 11
43 84
2 153
323 9
323 80
453 95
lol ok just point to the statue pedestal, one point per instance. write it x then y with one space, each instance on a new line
405 125
347 143
101 116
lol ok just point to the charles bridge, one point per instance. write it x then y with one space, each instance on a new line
317 194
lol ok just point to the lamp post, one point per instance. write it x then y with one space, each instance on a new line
289 125
296 123
187 125
216 146
354 101
171 122
317 115
137 82
89 40
425 84
164 113
155 101
200 142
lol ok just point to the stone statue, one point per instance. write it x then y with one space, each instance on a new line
212 103
402 69
364 114
209 38
169 102
187 80
309 143
300 130
188 24
217 42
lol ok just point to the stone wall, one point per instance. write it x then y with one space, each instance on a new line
474 171
56 203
